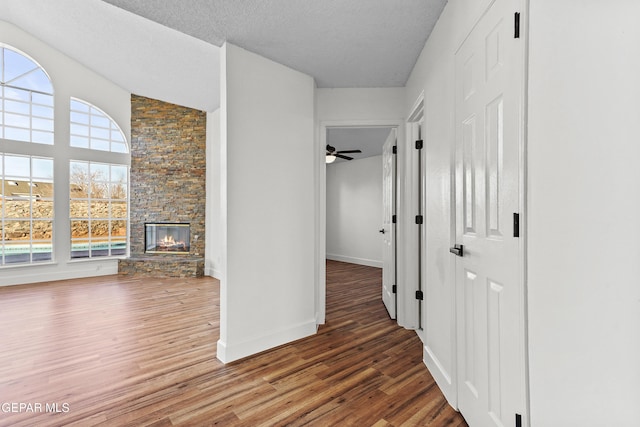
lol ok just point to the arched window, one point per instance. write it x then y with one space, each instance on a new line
92 128
98 193
26 113
26 197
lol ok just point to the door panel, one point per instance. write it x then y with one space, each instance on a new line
389 228
489 309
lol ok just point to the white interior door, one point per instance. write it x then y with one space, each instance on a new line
490 315
388 230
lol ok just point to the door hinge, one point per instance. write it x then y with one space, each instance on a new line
419 219
394 150
394 289
516 224
518 420
516 25
393 219
419 144
419 295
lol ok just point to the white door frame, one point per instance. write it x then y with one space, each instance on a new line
321 202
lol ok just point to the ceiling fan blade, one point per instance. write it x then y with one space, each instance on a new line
348 151
343 157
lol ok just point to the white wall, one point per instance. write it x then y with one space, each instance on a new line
70 79
267 204
354 211
213 245
360 104
434 75
583 268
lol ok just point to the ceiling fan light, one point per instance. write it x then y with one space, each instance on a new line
330 158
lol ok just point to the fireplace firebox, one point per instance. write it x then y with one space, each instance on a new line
170 238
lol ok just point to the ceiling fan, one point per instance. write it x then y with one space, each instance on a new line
332 154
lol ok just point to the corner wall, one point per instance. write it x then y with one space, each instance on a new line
267 205
354 211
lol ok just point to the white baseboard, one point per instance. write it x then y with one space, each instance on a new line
213 272
227 352
354 260
442 377
38 273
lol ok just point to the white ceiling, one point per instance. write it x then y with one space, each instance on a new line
342 43
169 50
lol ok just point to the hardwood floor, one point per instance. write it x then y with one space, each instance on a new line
122 351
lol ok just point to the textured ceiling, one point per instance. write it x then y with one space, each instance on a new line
342 43
169 49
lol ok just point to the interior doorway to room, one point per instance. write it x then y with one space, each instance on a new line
352 199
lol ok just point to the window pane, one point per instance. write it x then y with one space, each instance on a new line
117 147
42 137
16 134
100 144
118 228
17 252
79 130
42 251
79 209
17 207
42 230
16 107
42 168
119 209
79 249
99 171
17 94
42 208
42 111
79 141
17 230
100 209
79 229
16 120
100 121
118 246
42 124
17 166
99 230
118 191
40 98
16 65
79 118
79 106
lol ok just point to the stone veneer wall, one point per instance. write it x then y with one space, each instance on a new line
168 144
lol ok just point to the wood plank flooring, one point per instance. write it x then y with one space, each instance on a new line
127 351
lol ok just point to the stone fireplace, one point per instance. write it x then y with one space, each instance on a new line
167 196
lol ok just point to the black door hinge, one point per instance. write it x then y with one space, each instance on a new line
419 144
516 224
394 289
419 295
419 219
518 420
394 150
516 25
393 219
